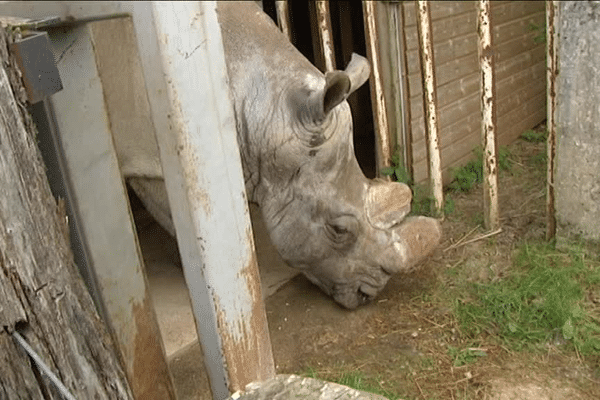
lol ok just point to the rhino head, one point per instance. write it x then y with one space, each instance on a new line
346 233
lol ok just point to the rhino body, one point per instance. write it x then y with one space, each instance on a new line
346 233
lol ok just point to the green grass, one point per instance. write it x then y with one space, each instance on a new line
544 300
356 380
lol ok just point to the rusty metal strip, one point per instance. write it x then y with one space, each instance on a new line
430 103
552 65
325 34
488 117
383 149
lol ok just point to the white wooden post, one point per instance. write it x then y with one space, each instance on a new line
383 149
283 17
430 103
488 118
552 65
325 34
186 78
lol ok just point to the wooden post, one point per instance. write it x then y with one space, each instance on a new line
400 84
181 52
325 34
552 65
42 295
430 103
491 216
283 17
383 150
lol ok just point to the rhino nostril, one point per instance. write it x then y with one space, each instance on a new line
363 297
387 272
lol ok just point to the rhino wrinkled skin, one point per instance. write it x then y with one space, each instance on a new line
346 233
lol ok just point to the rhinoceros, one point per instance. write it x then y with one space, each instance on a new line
346 233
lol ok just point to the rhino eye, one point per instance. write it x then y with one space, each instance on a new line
343 229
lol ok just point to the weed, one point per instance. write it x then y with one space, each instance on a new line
539 160
466 356
540 31
398 169
472 173
423 203
542 301
534 136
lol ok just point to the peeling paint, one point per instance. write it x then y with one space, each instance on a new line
150 378
245 341
488 116
430 102
325 33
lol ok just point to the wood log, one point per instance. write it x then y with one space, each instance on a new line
43 296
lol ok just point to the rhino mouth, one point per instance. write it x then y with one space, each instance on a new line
354 299
348 296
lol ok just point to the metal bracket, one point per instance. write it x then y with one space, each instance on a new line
37 65
34 57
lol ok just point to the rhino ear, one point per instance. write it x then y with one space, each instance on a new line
358 70
337 89
338 86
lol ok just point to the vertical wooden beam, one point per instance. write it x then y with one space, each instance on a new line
552 65
400 84
184 66
283 17
383 148
491 215
104 218
325 34
430 103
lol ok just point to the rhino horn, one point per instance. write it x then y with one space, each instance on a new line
413 240
387 203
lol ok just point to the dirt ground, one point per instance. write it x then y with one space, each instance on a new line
399 343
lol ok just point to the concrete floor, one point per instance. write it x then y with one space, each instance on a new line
172 303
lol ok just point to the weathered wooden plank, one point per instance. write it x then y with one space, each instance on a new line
520 28
60 321
509 11
103 214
